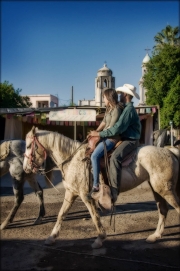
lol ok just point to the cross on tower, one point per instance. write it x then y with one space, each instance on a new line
147 50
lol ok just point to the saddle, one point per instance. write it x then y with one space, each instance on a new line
104 195
125 162
4 150
93 142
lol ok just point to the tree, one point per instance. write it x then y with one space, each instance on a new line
162 70
162 73
171 108
168 35
11 98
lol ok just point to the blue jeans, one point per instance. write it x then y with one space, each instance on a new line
96 156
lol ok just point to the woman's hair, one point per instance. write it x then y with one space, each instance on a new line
111 96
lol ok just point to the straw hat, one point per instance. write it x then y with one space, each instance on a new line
129 89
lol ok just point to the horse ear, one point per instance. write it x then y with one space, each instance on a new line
33 130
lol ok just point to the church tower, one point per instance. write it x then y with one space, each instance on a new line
103 80
142 90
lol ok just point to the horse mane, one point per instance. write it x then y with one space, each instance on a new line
58 141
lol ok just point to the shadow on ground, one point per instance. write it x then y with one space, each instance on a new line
78 255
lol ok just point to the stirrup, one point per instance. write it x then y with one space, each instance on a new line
93 190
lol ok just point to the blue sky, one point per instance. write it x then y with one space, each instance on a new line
49 46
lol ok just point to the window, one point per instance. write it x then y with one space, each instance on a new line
105 83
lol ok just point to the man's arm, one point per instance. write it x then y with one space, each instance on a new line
119 127
101 126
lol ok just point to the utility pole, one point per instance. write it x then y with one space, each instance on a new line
171 124
74 121
72 96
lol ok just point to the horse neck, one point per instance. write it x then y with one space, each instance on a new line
57 145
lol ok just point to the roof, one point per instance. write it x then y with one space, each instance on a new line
40 95
104 68
27 111
105 71
146 59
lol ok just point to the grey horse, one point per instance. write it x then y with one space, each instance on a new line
13 163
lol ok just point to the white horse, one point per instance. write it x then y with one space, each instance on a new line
159 166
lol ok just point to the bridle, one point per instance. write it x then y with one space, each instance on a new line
31 158
37 169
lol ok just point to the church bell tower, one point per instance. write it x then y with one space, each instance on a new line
142 90
103 81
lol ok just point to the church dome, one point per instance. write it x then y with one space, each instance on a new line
146 59
104 71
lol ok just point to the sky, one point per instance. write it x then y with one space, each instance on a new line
49 46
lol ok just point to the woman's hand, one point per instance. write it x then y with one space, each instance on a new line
93 133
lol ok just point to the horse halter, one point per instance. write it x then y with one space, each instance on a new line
34 167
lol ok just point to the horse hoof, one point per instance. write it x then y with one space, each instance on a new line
50 241
152 238
97 243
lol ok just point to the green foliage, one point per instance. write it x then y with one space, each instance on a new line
162 73
168 35
171 108
162 79
11 98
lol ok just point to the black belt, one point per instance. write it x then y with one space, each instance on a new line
128 139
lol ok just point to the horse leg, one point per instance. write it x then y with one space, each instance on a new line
173 200
162 210
67 203
96 219
39 193
19 196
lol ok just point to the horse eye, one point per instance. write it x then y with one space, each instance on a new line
28 146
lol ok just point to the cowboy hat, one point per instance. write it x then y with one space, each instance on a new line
129 89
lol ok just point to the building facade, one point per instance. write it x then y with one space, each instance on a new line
43 100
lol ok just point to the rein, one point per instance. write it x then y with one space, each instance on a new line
109 181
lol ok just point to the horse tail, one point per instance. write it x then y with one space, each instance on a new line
176 152
178 182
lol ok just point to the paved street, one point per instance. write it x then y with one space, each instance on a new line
22 243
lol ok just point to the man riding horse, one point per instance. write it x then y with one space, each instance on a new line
128 127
